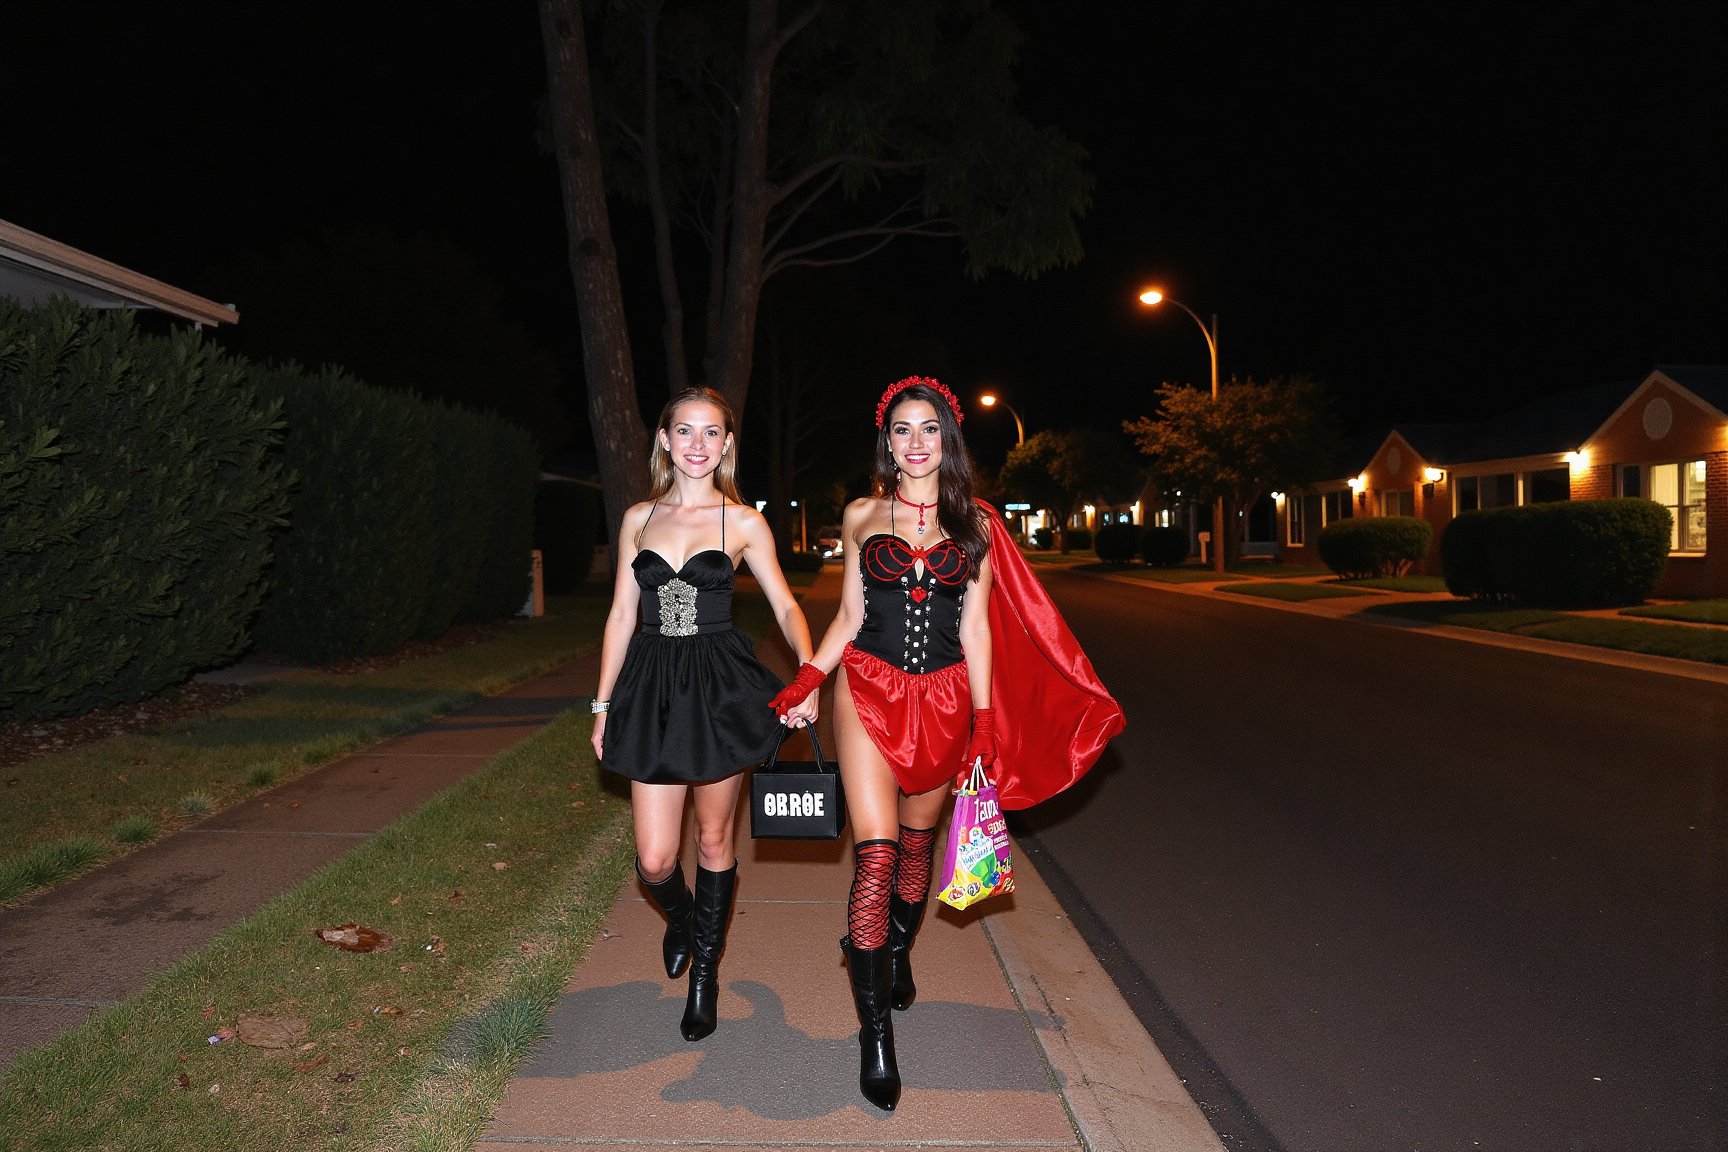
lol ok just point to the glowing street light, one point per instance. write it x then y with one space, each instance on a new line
990 400
1152 297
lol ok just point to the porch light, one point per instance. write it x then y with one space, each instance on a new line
1578 460
1277 497
1357 483
1433 475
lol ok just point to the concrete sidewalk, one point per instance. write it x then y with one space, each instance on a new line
1018 1038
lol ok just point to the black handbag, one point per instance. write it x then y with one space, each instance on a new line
797 799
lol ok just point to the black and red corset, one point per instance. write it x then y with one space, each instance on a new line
912 618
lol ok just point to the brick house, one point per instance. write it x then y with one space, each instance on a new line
1663 438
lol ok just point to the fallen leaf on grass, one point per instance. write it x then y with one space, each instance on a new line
355 938
395 900
387 1010
270 1032
456 896
437 945
308 1065
499 865
183 1080
346 1076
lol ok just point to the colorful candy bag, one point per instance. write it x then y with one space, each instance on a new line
978 861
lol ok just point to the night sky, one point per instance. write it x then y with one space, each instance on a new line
1438 208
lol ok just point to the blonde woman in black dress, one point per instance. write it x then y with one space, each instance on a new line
683 703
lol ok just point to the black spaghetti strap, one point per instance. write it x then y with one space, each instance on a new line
644 527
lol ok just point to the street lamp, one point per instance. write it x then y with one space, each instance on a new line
990 400
1152 298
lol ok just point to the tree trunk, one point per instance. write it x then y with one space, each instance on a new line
620 440
752 196
671 300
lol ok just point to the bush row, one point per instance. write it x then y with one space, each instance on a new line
409 516
146 480
1570 554
140 490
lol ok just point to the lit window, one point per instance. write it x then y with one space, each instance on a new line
1678 488
1398 502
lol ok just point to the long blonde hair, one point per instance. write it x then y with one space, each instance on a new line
660 468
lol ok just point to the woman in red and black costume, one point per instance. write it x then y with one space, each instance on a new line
920 642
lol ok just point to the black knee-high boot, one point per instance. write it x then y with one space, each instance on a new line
714 891
878 1072
904 917
673 896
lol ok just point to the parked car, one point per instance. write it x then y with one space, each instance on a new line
828 541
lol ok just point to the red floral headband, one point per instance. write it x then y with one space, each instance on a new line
929 382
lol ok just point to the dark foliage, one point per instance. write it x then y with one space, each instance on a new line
1374 545
140 492
1569 554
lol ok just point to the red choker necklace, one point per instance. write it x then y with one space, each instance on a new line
915 504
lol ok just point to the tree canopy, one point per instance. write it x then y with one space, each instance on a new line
765 142
1059 470
1253 439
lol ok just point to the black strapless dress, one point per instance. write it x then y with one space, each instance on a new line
691 702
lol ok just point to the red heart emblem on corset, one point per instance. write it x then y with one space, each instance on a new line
918 595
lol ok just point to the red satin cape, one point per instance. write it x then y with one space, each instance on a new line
1053 714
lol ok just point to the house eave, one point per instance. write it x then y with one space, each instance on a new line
33 268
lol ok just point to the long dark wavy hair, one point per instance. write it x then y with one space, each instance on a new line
660 467
956 511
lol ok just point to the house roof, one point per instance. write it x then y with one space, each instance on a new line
1709 382
33 268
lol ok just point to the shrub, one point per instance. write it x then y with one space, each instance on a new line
1569 554
801 561
409 515
1164 547
1042 539
1117 543
1079 538
139 493
1374 545
566 529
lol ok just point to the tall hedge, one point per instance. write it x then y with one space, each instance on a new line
1568 554
139 491
1374 545
409 515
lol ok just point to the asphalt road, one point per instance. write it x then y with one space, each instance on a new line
1372 889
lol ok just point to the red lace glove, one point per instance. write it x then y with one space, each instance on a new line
809 679
983 742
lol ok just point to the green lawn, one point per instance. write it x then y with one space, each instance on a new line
67 811
1275 590
1178 575
1699 644
1695 611
1400 583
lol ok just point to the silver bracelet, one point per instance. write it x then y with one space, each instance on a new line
598 706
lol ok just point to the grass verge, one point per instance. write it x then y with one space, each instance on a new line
1400 583
1693 612
173 776
1153 575
1276 590
404 1048
1705 646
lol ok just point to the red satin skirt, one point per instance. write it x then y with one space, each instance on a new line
919 721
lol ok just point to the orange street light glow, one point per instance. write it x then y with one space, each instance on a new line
1151 296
